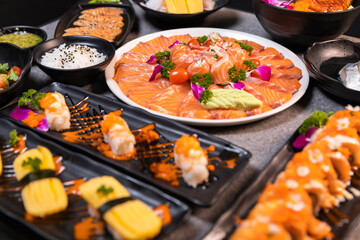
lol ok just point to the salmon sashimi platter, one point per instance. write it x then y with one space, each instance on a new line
207 76
187 162
61 194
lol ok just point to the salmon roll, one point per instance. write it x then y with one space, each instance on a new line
56 111
43 193
126 218
192 160
117 134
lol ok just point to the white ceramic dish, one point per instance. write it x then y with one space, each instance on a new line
110 72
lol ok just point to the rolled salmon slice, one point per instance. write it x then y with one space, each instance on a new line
128 69
182 38
289 84
191 108
169 101
143 93
130 82
134 57
161 41
147 48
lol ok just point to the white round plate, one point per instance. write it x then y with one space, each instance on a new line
110 72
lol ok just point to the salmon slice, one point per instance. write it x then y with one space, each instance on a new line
274 63
130 82
271 97
105 33
170 100
191 108
228 114
134 57
267 54
262 109
293 72
103 11
182 38
128 69
161 41
118 23
147 48
143 93
260 82
254 45
219 70
289 84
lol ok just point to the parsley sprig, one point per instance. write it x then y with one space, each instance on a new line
168 66
245 46
316 119
205 96
236 75
165 55
202 39
204 80
33 163
104 190
251 65
12 76
4 68
13 138
28 98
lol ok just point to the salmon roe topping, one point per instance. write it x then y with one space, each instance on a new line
186 143
33 120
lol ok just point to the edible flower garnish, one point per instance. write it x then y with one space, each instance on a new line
279 3
304 139
104 190
157 70
175 43
245 46
205 96
33 163
202 80
196 90
316 119
239 85
236 75
151 59
160 56
23 113
13 138
264 72
28 99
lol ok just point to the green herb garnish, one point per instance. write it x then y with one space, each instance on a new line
165 55
4 68
13 138
216 56
352 113
316 119
236 75
104 190
33 163
202 39
168 66
28 98
204 80
251 65
205 96
245 46
12 76
270 234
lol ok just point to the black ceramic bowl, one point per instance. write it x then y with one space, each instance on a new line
324 61
14 56
79 76
304 28
27 29
181 17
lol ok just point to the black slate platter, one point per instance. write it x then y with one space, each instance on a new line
203 195
346 228
73 13
60 226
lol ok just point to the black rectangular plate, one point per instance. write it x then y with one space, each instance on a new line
170 130
79 166
73 13
246 201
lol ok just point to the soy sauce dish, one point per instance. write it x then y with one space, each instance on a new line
75 60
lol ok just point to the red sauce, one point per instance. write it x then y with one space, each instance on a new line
166 171
87 228
73 186
163 211
59 167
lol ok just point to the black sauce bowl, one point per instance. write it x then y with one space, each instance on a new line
181 18
28 29
324 61
14 56
79 76
304 28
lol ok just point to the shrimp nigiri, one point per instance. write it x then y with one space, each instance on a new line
192 160
117 134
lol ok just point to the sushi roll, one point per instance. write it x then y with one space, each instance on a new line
42 193
192 160
56 111
117 134
126 218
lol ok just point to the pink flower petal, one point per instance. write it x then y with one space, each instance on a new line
196 90
151 59
239 85
20 113
301 141
310 131
175 43
43 126
264 72
157 70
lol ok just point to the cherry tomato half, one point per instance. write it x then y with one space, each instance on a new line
193 43
16 69
178 76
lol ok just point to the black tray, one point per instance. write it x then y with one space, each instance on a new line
203 195
73 13
226 224
77 166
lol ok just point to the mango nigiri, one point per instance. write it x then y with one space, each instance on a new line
117 134
43 194
192 160
126 218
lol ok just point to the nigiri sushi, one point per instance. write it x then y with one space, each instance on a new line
117 134
126 218
56 111
192 160
43 194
